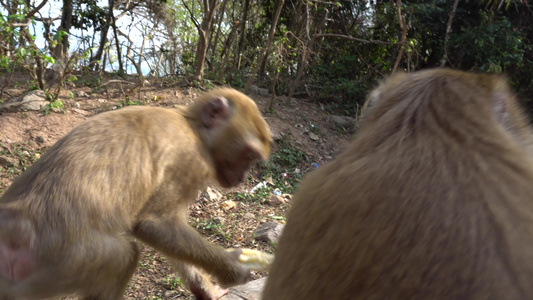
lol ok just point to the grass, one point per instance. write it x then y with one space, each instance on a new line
21 155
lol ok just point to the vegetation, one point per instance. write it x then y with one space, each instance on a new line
330 51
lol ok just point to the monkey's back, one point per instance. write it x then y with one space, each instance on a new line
131 148
418 207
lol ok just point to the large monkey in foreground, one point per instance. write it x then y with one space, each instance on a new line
65 222
432 200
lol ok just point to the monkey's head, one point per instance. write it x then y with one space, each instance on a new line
409 101
234 132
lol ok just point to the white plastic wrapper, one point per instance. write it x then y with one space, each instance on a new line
255 260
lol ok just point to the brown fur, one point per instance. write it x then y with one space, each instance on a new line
131 171
432 200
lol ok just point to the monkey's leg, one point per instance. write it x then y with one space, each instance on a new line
97 266
197 282
175 238
111 281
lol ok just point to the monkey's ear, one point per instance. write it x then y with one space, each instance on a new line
499 106
373 98
501 95
216 110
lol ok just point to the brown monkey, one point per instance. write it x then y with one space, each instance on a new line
64 223
432 200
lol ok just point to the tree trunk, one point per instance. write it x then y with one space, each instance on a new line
281 60
103 38
226 53
307 49
404 34
305 56
203 37
448 31
217 35
243 31
38 71
275 19
61 51
121 70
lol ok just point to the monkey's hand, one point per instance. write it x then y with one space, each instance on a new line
233 272
255 260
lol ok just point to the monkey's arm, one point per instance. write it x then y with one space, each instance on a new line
174 237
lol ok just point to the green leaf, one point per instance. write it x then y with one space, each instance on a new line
4 62
49 59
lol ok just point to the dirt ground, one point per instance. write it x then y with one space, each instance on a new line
26 135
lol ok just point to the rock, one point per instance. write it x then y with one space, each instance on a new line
219 221
212 194
268 232
342 121
313 136
276 200
254 89
39 139
81 94
171 294
81 111
34 100
263 92
294 102
7 162
248 215
227 205
249 291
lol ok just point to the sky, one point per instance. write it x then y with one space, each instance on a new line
53 9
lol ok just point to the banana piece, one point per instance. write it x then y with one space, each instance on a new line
255 260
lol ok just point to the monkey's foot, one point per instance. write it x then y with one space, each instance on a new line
220 292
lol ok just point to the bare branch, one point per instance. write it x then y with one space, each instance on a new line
353 38
192 15
129 8
307 21
324 2
404 34
25 24
129 54
36 9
